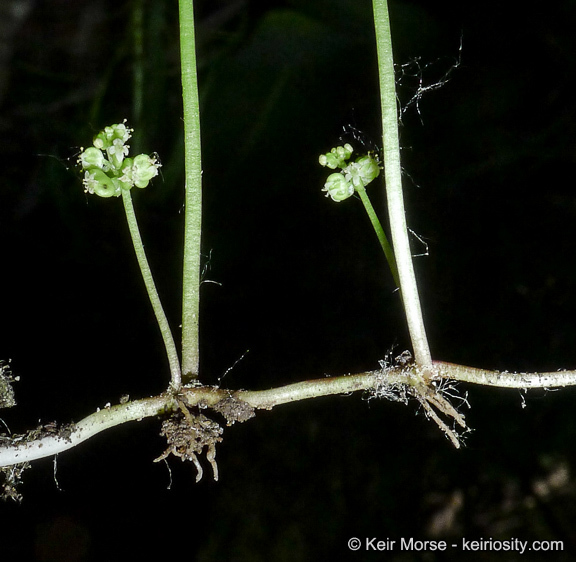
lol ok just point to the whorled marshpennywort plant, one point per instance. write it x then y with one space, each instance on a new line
109 171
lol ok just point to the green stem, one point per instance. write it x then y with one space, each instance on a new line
176 379
193 213
393 176
380 233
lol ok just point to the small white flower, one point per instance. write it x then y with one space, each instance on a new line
89 181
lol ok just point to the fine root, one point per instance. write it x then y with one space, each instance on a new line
12 478
430 397
187 435
433 395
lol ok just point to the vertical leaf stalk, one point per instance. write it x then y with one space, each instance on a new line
193 213
393 179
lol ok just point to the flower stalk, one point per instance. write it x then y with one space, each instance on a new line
109 172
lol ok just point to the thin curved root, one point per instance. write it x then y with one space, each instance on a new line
429 396
187 435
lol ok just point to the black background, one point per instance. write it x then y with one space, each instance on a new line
489 185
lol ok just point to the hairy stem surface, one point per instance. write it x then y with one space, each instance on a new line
18 450
193 213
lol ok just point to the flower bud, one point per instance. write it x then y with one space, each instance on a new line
362 172
96 181
337 157
144 169
337 187
91 158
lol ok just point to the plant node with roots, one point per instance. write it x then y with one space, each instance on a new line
187 435
434 396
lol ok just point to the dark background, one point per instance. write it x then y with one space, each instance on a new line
489 185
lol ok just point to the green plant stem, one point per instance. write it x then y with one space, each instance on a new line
393 177
380 233
193 213
19 450
176 379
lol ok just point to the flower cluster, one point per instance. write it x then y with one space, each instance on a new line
353 175
107 170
